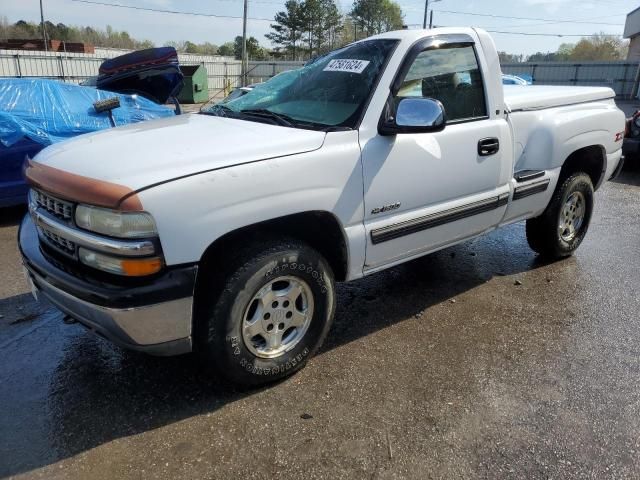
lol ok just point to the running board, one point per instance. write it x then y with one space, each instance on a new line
531 189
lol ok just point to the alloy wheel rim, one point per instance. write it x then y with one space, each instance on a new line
277 317
572 216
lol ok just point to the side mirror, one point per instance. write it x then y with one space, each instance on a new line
414 115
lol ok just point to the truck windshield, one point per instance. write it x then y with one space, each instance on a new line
329 92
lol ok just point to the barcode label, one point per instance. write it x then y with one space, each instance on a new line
346 65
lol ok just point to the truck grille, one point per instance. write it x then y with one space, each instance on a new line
54 206
57 241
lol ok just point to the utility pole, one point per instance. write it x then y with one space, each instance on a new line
44 29
426 7
244 45
431 20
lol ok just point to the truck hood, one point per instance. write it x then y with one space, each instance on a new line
147 153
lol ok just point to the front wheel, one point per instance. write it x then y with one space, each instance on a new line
559 231
272 312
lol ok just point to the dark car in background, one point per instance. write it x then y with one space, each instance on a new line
631 144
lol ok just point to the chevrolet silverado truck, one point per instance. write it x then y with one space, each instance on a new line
224 232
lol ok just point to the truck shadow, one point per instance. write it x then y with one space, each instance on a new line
95 392
630 174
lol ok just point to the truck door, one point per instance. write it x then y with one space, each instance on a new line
423 191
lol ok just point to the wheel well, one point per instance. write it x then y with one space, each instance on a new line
320 230
590 160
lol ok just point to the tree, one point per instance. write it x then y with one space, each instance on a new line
564 51
348 33
208 48
102 38
543 57
287 29
179 46
190 47
331 25
145 44
4 28
321 22
599 47
376 16
509 57
227 49
315 23
254 50
197 48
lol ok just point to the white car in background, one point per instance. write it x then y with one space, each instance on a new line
513 80
242 91
238 92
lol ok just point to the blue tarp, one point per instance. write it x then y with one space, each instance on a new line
48 111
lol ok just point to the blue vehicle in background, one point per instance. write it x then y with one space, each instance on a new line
13 189
35 113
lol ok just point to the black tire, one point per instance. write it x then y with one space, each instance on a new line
221 344
543 233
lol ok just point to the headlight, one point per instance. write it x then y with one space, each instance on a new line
131 267
114 223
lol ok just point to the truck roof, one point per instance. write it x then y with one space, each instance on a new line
416 34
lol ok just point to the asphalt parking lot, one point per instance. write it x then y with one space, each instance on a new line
479 361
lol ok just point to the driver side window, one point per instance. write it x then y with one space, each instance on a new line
450 75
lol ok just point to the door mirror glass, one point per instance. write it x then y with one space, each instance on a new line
420 112
415 115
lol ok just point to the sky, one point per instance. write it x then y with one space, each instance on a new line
556 17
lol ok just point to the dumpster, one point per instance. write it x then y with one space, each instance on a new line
195 88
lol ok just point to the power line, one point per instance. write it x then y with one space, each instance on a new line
552 34
530 33
211 15
158 10
552 20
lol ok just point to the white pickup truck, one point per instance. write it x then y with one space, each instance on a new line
224 232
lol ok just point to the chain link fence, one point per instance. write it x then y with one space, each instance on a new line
621 76
224 73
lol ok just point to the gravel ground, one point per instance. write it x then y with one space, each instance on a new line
479 361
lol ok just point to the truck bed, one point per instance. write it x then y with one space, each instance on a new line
522 98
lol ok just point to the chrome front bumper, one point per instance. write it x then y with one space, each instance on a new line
155 318
160 329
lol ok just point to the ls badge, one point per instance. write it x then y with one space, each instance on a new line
386 208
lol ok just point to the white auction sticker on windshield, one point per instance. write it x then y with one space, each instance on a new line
346 65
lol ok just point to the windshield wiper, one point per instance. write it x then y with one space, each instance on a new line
263 112
284 120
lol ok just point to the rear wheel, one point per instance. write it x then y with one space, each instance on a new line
272 312
559 231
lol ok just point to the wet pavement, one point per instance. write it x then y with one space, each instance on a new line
479 361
